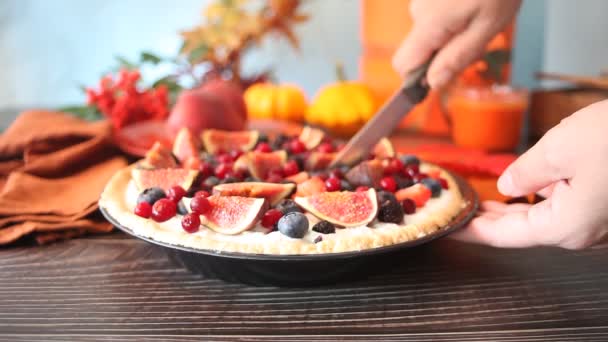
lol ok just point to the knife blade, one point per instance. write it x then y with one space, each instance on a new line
411 92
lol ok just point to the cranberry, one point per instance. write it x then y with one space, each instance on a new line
235 154
336 173
200 205
202 193
191 223
443 182
362 188
205 169
224 158
394 166
163 210
274 178
222 170
271 217
325 148
409 206
417 178
332 184
296 146
389 184
291 168
143 209
263 147
412 170
176 193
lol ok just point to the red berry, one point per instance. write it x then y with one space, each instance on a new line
290 168
336 173
444 183
362 188
409 206
235 154
274 178
222 170
388 184
175 193
332 184
202 193
296 146
191 223
412 170
417 178
325 147
143 209
163 210
271 217
200 205
224 158
323 175
205 169
394 166
263 147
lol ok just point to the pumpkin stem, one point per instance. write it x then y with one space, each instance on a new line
340 73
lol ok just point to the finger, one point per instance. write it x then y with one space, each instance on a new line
545 163
513 230
462 50
503 208
424 39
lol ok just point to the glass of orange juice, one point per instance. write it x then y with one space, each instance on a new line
486 117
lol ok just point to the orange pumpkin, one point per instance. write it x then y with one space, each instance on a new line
271 101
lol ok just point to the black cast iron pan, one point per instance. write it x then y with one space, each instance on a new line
303 270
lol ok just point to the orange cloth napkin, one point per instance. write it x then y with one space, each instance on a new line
53 167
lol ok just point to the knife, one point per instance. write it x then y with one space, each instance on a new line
411 92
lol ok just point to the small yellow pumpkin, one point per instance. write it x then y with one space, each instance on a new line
271 101
342 107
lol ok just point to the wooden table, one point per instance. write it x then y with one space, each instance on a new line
115 287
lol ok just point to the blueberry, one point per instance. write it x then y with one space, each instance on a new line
278 142
344 169
404 182
300 160
181 208
249 179
262 138
287 206
433 185
385 196
324 227
229 179
210 182
294 225
346 186
409 159
151 195
391 212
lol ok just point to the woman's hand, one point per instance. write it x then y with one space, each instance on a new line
568 166
458 30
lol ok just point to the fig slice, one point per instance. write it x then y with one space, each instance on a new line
163 178
158 157
186 145
272 192
343 208
216 140
384 149
311 137
232 215
260 163
367 173
319 160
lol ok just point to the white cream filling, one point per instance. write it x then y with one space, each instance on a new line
258 233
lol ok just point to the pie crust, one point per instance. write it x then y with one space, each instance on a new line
119 195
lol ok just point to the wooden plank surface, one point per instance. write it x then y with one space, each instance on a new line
118 288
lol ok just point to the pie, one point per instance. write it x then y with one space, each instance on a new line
243 192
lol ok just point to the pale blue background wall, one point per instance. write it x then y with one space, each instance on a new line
48 47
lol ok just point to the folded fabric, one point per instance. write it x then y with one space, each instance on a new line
53 168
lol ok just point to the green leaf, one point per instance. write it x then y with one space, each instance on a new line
496 59
124 63
150 58
85 112
169 82
198 53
